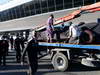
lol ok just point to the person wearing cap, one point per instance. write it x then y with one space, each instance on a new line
50 28
74 33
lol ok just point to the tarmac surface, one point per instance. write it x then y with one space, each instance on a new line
45 68
12 67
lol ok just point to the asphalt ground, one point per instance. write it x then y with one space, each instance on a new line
45 68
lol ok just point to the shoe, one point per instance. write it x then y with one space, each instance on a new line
22 63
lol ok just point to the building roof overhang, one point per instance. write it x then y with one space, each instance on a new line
12 4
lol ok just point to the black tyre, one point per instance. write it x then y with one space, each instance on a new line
60 62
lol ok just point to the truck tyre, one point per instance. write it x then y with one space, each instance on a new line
90 36
60 62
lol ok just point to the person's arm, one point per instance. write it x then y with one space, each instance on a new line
53 24
23 54
69 32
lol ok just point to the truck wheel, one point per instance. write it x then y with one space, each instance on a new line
60 62
90 36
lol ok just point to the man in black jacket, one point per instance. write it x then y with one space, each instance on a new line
3 49
31 49
18 49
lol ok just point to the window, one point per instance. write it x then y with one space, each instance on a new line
17 12
10 14
51 5
87 2
32 8
59 4
78 3
13 13
0 17
67 4
37 6
44 6
21 11
26 8
4 15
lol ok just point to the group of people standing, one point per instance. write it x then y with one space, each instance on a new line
9 43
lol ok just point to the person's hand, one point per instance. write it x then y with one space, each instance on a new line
68 37
22 63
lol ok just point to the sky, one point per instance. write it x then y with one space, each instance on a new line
7 4
4 1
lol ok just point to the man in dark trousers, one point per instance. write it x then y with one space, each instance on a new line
11 42
31 50
22 43
18 49
3 49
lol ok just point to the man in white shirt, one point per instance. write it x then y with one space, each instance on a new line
74 33
32 52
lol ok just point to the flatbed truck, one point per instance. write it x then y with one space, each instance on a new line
64 54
